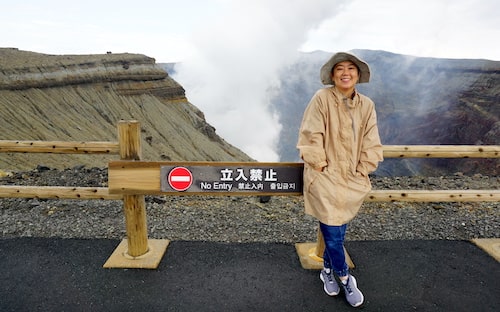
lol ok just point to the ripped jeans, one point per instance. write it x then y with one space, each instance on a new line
334 255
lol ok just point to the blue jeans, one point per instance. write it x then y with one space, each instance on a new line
334 256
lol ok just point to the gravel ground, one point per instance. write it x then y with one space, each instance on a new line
243 219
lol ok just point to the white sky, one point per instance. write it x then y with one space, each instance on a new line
232 50
163 29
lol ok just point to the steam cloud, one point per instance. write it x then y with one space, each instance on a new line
236 62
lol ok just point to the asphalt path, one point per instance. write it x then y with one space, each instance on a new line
50 274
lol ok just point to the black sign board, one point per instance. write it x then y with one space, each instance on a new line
241 178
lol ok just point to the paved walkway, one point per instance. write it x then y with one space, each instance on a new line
39 274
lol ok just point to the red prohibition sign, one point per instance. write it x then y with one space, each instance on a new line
180 179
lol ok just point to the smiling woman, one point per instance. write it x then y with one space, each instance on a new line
345 76
340 145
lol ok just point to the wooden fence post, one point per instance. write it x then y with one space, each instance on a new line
137 251
129 136
311 254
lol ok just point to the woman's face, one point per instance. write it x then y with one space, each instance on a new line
345 75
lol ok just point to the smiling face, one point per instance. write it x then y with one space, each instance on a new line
345 75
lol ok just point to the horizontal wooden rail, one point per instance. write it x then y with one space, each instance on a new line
59 147
390 151
442 151
433 195
62 192
65 192
57 192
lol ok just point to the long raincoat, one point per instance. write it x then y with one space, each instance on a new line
340 134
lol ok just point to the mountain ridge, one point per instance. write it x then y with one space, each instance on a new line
82 98
419 101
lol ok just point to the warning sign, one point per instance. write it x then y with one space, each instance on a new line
238 178
180 179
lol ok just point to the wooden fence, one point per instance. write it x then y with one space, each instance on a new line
137 251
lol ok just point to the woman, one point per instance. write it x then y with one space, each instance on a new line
340 145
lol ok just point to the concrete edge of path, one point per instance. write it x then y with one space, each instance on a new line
489 245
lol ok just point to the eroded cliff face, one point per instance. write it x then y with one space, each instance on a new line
82 98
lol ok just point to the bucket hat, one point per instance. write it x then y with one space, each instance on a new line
326 70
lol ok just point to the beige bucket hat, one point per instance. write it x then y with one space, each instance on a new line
326 70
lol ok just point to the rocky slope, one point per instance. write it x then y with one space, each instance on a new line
82 98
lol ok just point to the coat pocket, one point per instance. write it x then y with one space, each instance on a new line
323 190
357 189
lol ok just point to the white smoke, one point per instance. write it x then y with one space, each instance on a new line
236 62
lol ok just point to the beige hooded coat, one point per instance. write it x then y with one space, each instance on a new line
340 134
